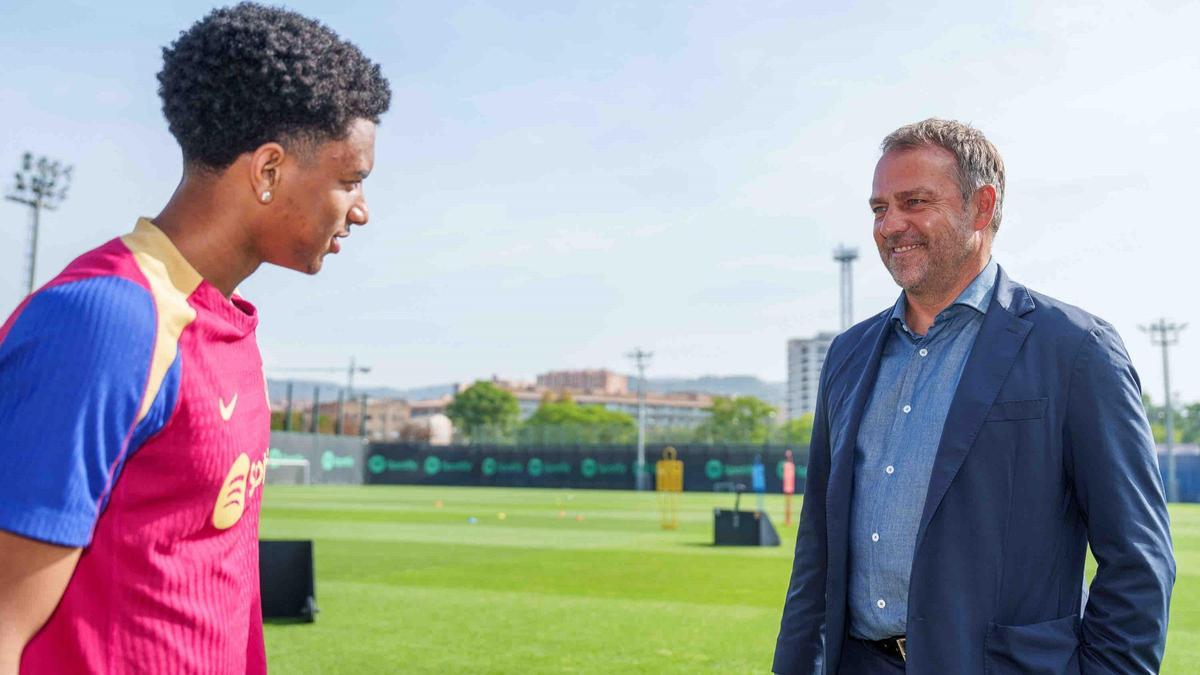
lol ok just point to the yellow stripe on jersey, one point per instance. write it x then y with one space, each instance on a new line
172 280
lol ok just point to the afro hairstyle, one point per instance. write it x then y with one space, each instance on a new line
249 74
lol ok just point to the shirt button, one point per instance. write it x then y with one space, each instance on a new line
880 603
907 409
924 352
874 536
890 469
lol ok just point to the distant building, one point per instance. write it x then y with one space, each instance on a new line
431 429
805 358
584 381
676 410
387 418
429 407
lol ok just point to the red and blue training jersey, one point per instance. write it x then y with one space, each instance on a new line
134 423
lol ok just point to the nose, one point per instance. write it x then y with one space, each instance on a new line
891 223
359 215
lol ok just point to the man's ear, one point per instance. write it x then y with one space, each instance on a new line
984 207
265 174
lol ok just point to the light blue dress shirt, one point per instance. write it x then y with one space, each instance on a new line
895 450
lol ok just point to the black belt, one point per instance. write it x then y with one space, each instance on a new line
896 647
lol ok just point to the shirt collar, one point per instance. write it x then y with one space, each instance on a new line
977 295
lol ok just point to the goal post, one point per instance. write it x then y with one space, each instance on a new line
288 471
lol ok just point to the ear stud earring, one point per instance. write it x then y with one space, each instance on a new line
266 196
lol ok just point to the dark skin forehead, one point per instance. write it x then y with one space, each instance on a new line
349 158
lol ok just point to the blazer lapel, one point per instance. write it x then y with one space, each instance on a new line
996 347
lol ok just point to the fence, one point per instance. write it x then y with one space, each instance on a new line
526 435
350 460
1187 470
331 459
598 466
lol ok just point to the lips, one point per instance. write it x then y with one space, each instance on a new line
334 244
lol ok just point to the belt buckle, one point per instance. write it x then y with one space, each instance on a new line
901 644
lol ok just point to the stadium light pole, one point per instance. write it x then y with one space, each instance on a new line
362 415
1165 334
315 417
845 257
640 359
40 183
287 413
341 414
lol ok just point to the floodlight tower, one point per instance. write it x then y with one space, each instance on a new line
640 359
845 256
40 183
1163 334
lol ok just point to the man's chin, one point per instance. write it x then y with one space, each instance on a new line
906 277
315 265
304 267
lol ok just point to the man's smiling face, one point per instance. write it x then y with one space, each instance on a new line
922 227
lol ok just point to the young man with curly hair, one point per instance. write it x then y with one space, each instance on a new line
133 417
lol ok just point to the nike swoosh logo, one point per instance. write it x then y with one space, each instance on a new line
227 410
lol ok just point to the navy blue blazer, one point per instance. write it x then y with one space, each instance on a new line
1046 449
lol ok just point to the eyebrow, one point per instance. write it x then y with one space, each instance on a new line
905 194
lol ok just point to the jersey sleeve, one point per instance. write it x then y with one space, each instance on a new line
74 365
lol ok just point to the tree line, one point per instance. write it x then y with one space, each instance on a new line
1186 421
485 413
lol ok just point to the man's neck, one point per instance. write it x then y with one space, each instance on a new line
922 308
211 237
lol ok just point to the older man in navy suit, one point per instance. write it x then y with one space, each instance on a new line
970 442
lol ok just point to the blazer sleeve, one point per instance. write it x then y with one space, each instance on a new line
800 645
1112 463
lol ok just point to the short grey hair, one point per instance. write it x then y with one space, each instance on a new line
979 162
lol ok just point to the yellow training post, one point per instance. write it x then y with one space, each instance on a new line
668 482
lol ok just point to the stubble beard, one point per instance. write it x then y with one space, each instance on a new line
940 269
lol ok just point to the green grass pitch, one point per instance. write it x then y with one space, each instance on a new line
408 586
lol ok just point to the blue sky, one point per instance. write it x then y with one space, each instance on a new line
560 182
